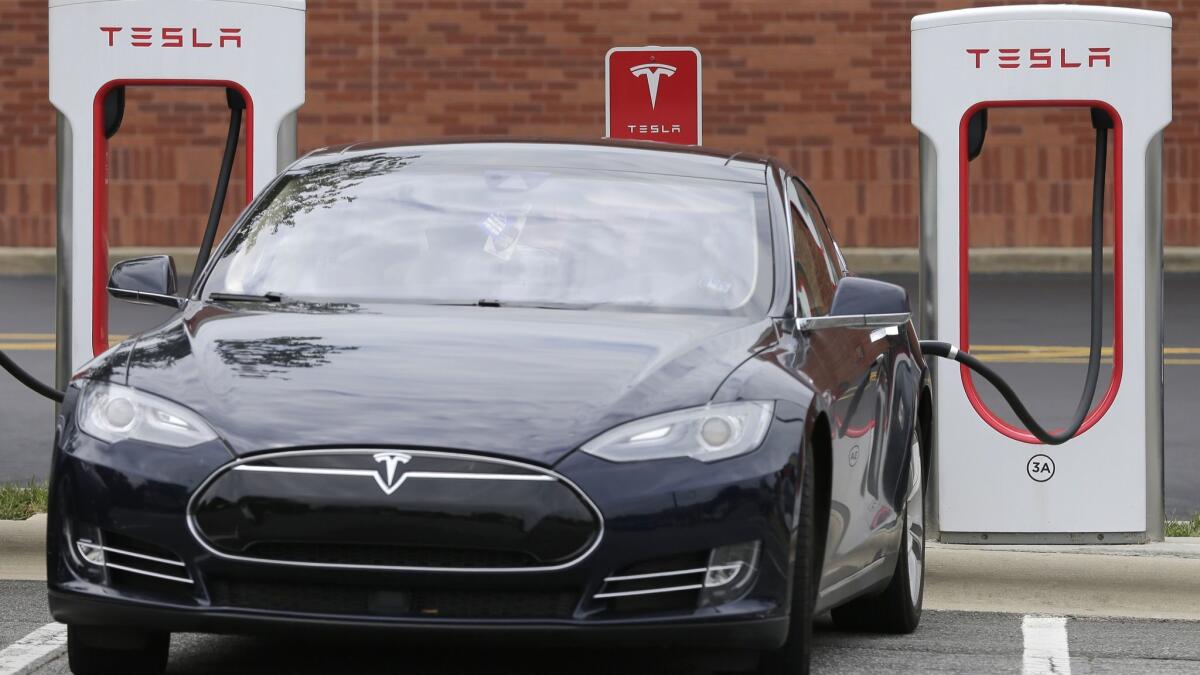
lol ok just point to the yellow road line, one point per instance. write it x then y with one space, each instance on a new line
26 336
34 346
1061 349
43 336
1066 355
1080 361
42 346
27 346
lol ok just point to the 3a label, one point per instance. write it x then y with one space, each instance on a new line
1040 468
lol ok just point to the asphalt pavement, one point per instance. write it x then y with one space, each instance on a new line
948 642
1032 327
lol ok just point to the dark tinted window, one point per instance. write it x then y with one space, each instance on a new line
382 227
832 252
815 278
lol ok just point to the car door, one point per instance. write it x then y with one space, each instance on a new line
853 368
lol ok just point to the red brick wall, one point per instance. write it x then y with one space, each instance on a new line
821 83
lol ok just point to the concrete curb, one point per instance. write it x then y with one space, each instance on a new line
1024 260
23 549
40 261
1152 581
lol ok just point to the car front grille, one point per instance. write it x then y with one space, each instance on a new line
388 556
402 509
330 599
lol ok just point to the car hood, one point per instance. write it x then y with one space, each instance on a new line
531 384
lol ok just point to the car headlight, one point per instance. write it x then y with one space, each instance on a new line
113 413
707 433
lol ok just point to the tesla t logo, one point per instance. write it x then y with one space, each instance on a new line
1043 57
387 478
148 36
652 71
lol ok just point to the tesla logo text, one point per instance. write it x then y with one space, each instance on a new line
1043 57
146 36
388 481
654 128
652 71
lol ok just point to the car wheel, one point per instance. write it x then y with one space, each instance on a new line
898 608
94 650
794 656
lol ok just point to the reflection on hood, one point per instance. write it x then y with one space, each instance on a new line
276 355
528 383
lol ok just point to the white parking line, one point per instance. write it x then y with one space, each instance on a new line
1046 649
33 649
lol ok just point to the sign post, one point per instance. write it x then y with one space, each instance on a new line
653 94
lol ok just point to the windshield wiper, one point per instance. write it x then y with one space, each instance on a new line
240 297
530 305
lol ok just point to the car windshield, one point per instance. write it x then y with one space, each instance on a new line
387 228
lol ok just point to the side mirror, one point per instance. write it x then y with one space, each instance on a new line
146 281
862 303
859 296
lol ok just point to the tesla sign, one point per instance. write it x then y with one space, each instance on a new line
653 94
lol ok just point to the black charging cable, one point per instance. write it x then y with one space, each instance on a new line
114 112
39 387
236 105
1102 123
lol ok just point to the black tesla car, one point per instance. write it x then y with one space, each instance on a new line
579 392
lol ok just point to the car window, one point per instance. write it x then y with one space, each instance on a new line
387 228
814 277
833 252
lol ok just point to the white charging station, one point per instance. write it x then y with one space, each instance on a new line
255 47
991 479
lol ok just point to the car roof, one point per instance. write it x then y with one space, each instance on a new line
600 155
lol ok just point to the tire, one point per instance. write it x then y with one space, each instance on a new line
794 656
94 650
898 608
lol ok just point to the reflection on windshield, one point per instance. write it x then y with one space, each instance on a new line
382 227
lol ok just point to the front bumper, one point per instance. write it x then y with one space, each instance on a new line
657 516
744 633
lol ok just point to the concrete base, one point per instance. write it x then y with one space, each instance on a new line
1045 538
1156 581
